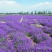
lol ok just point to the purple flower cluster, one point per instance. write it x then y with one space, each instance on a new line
25 33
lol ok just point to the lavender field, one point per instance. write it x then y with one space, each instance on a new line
25 33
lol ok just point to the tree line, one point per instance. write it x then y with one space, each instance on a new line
39 12
33 12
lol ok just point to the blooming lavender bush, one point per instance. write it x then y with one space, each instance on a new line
25 33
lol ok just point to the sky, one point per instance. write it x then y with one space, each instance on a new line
14 6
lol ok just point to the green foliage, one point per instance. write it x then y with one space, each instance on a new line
2 39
